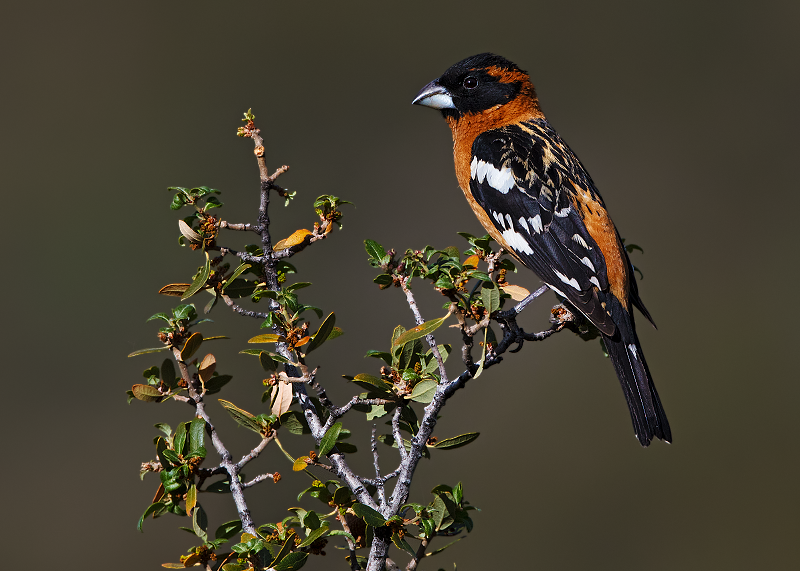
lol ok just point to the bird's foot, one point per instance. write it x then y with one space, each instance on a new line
512 333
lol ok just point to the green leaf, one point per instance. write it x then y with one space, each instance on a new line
456 441
478 275
341 532
292 562
401 543
423 392
172 456
267 362
168 374
228 530
369 382
322 333
192 345
452 252
210 305
490 296
374 249
144 351
185 311
294 422
342 496
191 498
163 316
200 522
241 416
376 411
146 393
150 510
315 535
369 515
267 338
179 440
199 281
387 357
419 331
298 285
219 487
165 428
285 549
329 440
433 364
435 551
239 288
439 511
197 430
215 383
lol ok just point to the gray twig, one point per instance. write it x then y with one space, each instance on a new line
230 467
258 479
375 463
412 303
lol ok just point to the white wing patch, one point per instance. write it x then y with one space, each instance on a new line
581 241
632 349
593 279
524 224
518 242
588 263
563 212
501 180
499 218
536 222
571 282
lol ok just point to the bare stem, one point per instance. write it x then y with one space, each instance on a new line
412 565
242 311
258 479
230 467
255 451
375 463
412 303
242 227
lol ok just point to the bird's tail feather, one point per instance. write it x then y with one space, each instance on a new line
647 413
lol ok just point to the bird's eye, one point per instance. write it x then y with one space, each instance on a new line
471 82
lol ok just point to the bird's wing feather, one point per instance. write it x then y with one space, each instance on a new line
524 177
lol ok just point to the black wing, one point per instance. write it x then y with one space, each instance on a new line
523 176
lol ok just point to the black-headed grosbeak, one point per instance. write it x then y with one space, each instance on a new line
534 197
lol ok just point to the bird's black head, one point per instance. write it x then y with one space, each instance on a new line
475 84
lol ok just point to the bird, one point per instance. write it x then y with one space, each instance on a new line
537 201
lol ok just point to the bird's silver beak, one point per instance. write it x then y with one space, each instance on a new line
435 96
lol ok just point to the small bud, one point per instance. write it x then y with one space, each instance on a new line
276 477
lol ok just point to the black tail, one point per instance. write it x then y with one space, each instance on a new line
626 354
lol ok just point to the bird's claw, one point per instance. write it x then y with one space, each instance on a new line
512 333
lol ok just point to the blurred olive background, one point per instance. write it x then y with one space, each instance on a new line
684 113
